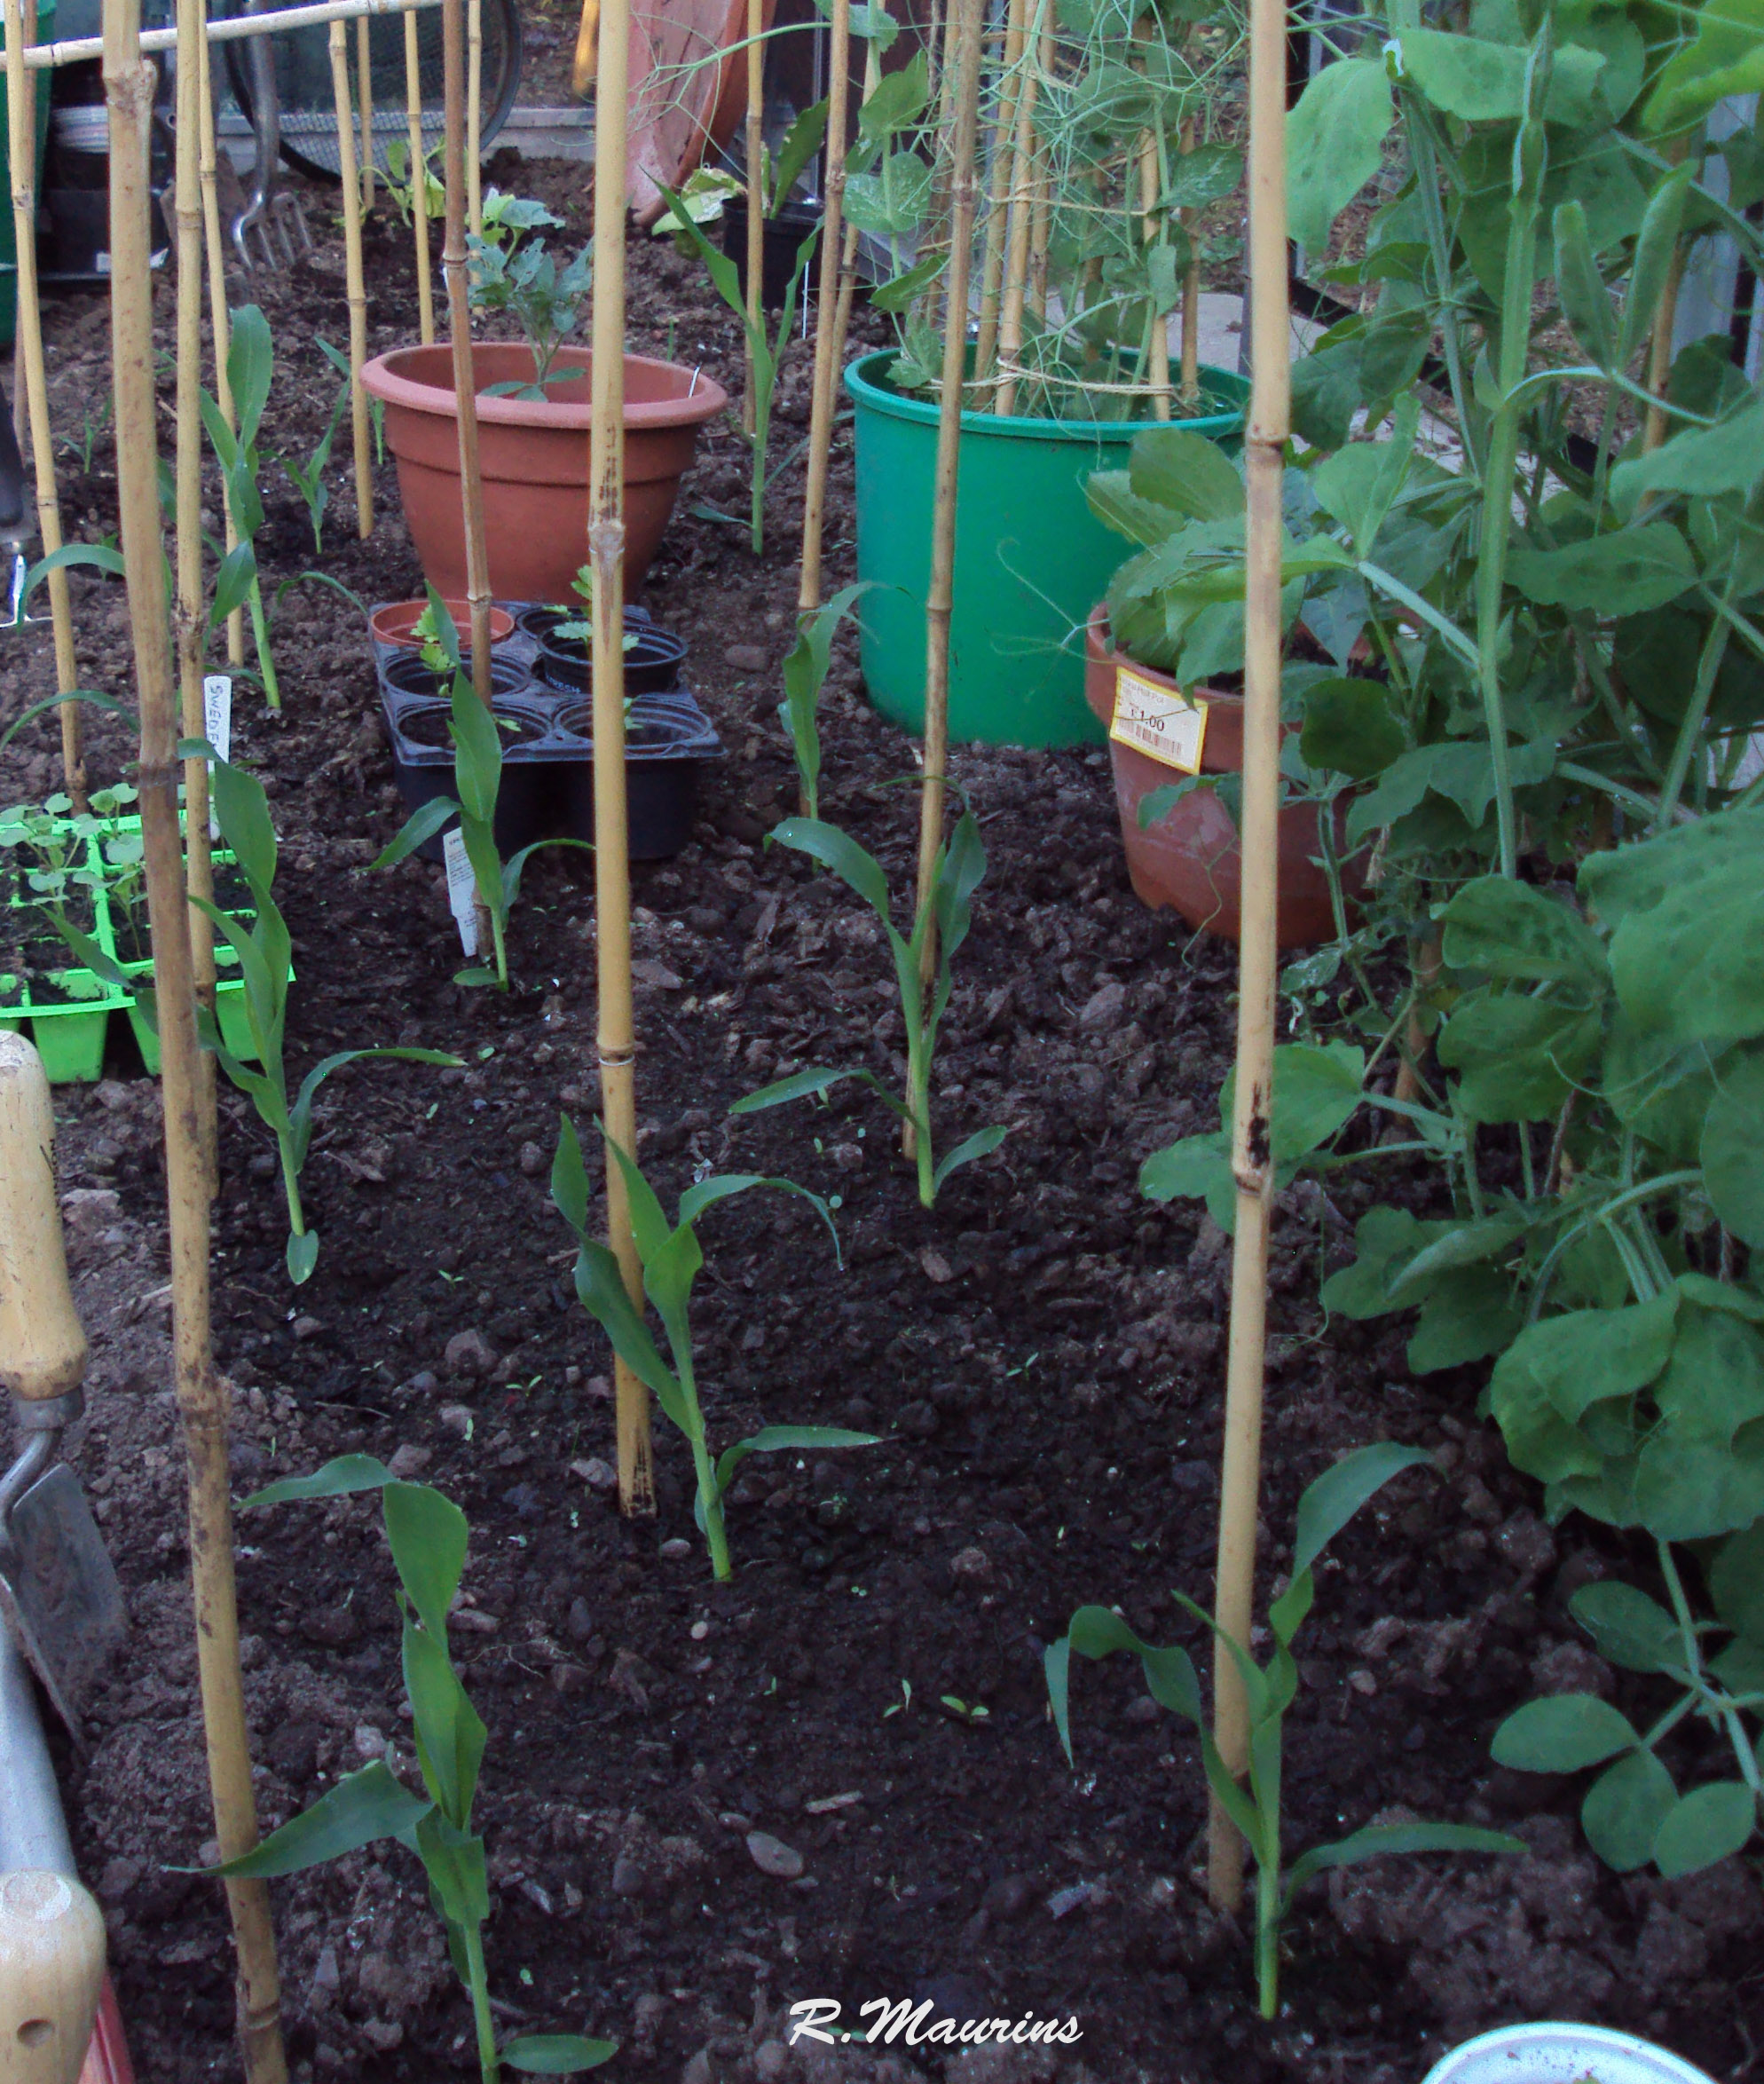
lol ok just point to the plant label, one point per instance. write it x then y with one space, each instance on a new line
218 726
461 890
1160 722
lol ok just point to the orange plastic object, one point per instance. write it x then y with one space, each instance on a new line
689 91
108 2057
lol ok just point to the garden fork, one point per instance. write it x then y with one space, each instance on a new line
274 221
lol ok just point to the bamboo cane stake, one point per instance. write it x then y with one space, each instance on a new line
474 115
872 75
192 616
363 65
616 1039
1017 257
964 62
22 148
1665 321
1264 447
459 327
220 324
418 202
229 29
1189 388
356 289
998 187
1040 203
129 85
756 201
827 342
1157 361
933 235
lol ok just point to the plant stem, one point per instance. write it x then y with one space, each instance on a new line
500 944
477 1980
297 1215
1268 1938
1708 665
260 634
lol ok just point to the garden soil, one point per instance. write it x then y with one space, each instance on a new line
835 1776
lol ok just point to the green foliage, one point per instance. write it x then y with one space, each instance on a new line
308 478
521 279
426 1534
1254 1807
671 1257
1632 1812
65 852
477 778
250 365
948 911
805 675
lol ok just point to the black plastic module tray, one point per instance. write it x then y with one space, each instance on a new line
548 759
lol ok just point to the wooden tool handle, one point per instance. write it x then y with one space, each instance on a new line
51 1964
42 1350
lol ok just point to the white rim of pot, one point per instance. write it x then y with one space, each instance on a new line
1562 2052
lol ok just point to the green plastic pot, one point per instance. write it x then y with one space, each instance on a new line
1031 559
9 250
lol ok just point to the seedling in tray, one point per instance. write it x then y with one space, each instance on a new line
670 1259
427 1534
1324 1509
949 908
477 773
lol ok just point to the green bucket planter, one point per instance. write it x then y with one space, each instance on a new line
1031 559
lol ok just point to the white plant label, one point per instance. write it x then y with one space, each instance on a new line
218 713
1160 722
461 890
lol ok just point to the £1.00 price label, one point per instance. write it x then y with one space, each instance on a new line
1160 722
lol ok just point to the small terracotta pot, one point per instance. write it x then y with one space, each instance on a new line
396 621
1190 858
533 458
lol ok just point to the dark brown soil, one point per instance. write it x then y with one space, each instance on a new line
1042 1355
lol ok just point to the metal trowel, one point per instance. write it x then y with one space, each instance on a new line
59 1594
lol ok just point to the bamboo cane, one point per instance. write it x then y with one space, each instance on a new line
1016 257
129 89
935 231
998 187
616 1041
872 75
419 204
474 115
356 285
1157 360
193 626
459 327
1040 204
230 28
1189 383
588 50
1265 447
827 344
21 146
219 324
756 203
1665 321
964 62
363 65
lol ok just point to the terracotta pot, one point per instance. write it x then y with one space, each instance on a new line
533 456
1189 858
395 623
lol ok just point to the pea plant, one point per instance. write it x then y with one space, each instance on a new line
477 777
672 1258
250 365
765 351
428 1537
1324 1509
1632 1812
949 911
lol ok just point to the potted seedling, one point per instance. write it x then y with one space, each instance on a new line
533 414
672 1258
565 639
719 194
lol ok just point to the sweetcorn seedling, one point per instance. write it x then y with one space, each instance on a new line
1632 1812
961 863
805 675
1324 1509
250 364
672 1257
477 777
308 478
428 1536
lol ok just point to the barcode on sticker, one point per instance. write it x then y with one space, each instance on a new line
218 713
1160 722
461 890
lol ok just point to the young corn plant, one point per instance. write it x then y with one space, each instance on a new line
250 363
767 351
961 863
308 478
263 947
477 776
672 1257
805 675
428 1535
1324 1509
